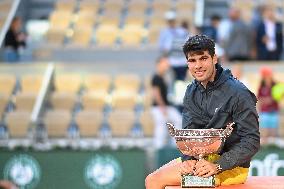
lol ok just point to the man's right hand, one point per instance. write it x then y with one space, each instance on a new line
187 167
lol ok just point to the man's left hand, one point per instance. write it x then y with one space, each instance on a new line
205 168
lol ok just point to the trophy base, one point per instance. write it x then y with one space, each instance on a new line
190 181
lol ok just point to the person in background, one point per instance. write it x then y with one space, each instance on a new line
268 107
269 36
212 30
170 42
238 45
14 41
162 109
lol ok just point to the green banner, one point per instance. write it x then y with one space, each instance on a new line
268 161
104 169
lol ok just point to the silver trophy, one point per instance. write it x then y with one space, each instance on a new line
199 143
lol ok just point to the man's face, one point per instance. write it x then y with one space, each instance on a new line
202 66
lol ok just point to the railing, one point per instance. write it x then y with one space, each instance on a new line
9 19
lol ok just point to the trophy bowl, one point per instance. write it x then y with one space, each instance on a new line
199 143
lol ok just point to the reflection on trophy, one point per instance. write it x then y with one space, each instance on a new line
199 143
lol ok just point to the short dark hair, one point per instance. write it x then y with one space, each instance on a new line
215 17
199 43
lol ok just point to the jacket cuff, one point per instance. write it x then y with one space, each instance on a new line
186 157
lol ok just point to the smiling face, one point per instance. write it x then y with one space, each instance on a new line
202 66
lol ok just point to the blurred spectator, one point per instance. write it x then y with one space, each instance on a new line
257 16
269 36
184 24
268 107
14 41
5 184
238 45
170 43
162 110
237 72
212 29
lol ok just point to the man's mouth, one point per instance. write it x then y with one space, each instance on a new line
199 73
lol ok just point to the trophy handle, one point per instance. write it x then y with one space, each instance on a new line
172 129
228 130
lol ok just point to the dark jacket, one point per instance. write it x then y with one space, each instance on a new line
225 100
262 51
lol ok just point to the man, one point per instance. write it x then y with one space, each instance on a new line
14 41
162 110
170 41
238 46
269 36
214 99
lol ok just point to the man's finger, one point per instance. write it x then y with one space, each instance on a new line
210 173
200 164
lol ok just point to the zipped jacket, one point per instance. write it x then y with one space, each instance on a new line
223 101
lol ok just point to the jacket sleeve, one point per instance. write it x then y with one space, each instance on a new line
246 120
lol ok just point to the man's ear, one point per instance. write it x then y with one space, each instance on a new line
215 59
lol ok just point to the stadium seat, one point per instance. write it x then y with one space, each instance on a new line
137 10
57 123
7 84
162 6
63 100
56 36
60 20
97 82
121 122
94 100
89 123
132 35
135 20
127 82
138 7
85 19
114 12
147 122
106 34
90 5
124 100
31 83
82 36
65 5
24 101
67 83
18 123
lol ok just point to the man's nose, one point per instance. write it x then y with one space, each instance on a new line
198 64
